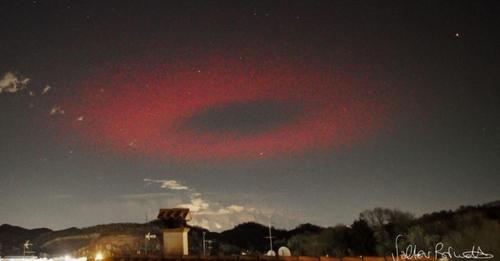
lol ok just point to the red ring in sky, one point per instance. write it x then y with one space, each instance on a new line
139 110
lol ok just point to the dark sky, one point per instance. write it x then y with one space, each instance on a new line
289 111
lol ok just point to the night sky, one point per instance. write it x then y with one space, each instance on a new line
289 111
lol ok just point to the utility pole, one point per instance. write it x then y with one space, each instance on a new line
209 242
146 239
270 238
204 243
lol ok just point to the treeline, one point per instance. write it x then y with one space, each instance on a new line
373 233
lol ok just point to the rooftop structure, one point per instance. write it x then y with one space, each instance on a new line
175 236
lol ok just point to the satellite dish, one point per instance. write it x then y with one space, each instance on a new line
271 253
284 251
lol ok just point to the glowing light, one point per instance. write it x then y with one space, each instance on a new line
67 258
34 258
99 256
131 119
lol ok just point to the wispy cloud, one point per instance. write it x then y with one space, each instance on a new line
168 184
226 210
231 209
209 212
197 204
146 196
11 83
56 110
46 89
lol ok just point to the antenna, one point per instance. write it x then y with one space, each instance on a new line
270 237
271 251
204 243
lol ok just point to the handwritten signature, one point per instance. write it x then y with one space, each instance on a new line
439 251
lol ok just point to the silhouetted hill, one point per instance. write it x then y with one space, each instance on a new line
305 228
9 229
495 203
490 210
249 237
13 237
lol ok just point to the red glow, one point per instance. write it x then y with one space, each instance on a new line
138 110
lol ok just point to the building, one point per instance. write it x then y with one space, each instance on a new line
175 234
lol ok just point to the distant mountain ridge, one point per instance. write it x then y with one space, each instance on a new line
12 237
246 237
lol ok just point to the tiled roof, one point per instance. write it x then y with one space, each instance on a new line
174 214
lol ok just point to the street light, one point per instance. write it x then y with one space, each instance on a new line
99 256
